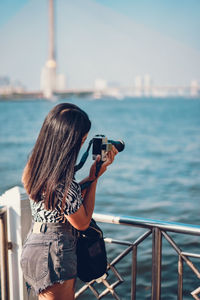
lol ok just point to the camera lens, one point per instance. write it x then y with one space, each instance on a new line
119 145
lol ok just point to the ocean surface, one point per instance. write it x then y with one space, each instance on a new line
157 176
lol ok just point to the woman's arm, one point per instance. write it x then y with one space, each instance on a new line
81 219
86 179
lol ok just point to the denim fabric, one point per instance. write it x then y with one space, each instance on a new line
49 255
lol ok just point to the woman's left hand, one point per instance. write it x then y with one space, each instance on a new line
81 219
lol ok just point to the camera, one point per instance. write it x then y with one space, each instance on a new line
101 146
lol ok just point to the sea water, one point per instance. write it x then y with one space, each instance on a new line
157 176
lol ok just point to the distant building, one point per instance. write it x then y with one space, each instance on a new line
60 82
138 86
147 85
143 86
194 88
100 85
50 81
48 78
4 81
9 87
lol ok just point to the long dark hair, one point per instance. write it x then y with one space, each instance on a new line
55 153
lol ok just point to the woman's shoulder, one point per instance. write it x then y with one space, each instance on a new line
74 186
74 190
73 200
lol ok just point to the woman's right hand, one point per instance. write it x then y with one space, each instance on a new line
109 160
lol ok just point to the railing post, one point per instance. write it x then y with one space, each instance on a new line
4 257
156 263
180 278
134 273
18 224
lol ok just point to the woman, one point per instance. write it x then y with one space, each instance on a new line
58 207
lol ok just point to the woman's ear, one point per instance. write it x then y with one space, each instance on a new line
84 138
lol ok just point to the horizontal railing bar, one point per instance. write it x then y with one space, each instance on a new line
195 255
113 241
148 223
139 240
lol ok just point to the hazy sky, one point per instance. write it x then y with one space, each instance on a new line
111 39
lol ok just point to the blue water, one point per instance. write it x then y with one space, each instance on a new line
157 176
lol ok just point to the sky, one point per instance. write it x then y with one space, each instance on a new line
111 39
179 19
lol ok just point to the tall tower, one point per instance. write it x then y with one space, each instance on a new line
52 51
48 74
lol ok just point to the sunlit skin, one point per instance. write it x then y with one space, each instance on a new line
66 290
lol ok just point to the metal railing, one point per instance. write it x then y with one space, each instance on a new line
4 246
157 230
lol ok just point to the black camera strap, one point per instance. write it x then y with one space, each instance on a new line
84 157
86 184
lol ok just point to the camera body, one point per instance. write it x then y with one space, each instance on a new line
101 146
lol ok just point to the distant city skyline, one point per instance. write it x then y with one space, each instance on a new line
112 40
